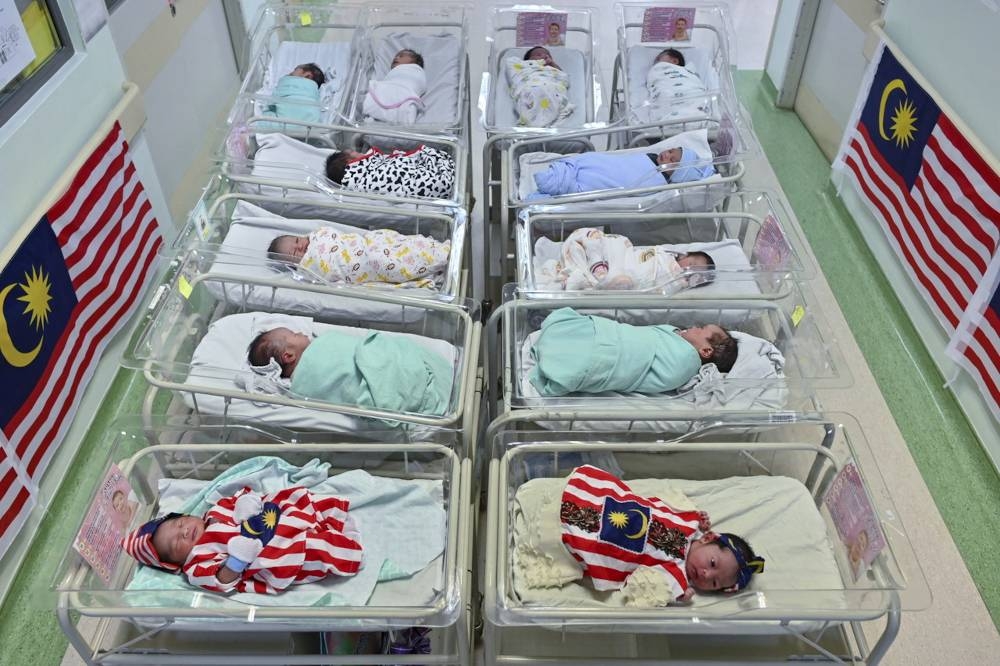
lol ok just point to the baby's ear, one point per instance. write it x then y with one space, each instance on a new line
709 537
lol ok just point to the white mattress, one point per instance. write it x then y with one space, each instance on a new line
244 253
571 61
443 56
334 58
668 200
727 255
776 515
221 356
640 58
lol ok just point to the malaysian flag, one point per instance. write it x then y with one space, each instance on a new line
612 531
73 282
976 343
936 198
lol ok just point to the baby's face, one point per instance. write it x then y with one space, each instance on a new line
669 156
702 336
293 246
403 58
175 538
710 567
541 53
668 57
298 71
118 501
692 261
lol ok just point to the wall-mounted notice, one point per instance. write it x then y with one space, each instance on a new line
541 29
667 24
99 539
16 51
853 514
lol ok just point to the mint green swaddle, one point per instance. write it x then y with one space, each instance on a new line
293 90
587 354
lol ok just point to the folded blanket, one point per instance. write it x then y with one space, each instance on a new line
588 354
673 92
299 101
588 172
540 92
397 97
283 158
380 371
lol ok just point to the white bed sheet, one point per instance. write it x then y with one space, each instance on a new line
223 352
665 201
640 58
727 254
251 231
334 58
776 515
442 63
570 60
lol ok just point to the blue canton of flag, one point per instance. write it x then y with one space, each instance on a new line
624 524
36 302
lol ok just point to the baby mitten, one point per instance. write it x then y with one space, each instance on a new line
247 506
242 551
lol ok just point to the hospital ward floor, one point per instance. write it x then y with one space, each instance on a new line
943 485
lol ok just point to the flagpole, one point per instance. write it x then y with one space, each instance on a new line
120 110
970 136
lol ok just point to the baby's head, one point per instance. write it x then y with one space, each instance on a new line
701 263
721 563
407 57
670 157
672 56
289 247
541 53
165 542
713 344
336 164
310 71
283 345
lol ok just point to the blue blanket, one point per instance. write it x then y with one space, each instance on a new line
588 172
382 371
586 354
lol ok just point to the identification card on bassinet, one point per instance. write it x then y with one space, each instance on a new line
855 517
107 520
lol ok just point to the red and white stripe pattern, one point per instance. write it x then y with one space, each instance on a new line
309 544
109 239
610 565
946 228
975 345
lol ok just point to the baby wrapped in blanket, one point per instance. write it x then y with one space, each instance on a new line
671 86
397 98
380 370
577 353
298 95
594 171
425 172
539 88
377 256
592 259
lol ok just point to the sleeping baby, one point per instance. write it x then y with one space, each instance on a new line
592 259
593 171
253 543
365 257
656 554
378 370
397 98
577 353
298 93
539 88
425 172
668 83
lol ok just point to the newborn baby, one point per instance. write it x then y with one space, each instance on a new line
377 256
397 98
298 93
673 89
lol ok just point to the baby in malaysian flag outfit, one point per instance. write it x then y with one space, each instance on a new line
618 536
253 543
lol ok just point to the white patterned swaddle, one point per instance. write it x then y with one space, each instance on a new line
540 93
379 256
671 88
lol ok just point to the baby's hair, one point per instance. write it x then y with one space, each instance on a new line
417 58
704 276
673 53
527 54
272 249
315 73
709 262
336 166
724 351
262 349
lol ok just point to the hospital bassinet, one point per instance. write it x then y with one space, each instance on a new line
762 479
439 32
138 622
786 353
283 38
193 342
237 226
753 233
709 53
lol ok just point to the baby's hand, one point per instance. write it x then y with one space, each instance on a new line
704 522
686 597
244 548
247 506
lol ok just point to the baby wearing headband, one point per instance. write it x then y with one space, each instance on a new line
642 546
